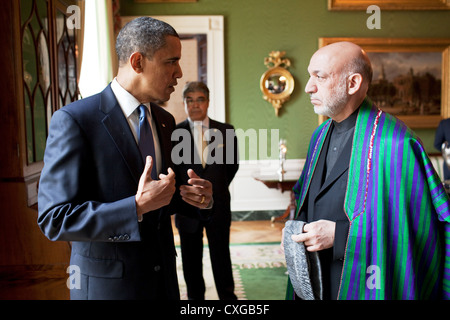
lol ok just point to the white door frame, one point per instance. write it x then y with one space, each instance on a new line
213 27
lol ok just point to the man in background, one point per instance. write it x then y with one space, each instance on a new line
215 164
443 135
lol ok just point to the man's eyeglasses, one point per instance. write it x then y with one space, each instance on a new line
199 101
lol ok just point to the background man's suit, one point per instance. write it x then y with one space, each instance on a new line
217 226
442 135
87 195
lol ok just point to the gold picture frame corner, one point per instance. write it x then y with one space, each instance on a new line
352 5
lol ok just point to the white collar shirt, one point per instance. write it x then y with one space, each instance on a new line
129 105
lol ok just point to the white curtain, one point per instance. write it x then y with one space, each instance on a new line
99 64
80 38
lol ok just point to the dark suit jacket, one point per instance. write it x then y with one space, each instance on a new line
87 196
219 174
325 200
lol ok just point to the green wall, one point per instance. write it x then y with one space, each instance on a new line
253 28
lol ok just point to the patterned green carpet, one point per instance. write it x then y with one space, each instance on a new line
259 272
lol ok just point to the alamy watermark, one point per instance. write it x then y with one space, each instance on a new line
74 280
374 21
74 20
374 279
221 148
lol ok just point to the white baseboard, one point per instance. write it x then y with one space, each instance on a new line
249 194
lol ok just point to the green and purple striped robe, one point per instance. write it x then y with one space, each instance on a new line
398 210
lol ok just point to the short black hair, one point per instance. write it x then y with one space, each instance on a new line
145 35
195 86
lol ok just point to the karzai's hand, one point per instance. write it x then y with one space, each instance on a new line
317 235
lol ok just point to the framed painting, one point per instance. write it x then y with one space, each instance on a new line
389 4
411 77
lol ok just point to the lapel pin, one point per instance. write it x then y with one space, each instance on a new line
163 124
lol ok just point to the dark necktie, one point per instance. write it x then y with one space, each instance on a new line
146 143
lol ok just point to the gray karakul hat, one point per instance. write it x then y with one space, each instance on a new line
303 266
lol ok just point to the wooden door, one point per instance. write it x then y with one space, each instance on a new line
39 76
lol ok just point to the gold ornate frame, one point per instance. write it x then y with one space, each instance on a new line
389 4
410 45
277 68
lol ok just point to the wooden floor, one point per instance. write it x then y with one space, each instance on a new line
250 232
255 231
240 232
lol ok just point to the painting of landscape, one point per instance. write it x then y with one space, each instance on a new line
407 83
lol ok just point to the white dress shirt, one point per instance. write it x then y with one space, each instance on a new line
129 105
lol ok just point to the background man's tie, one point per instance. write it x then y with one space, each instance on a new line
200 143
146 143
204 146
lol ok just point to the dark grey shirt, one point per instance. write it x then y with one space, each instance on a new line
341 132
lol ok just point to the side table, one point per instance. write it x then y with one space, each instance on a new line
286 184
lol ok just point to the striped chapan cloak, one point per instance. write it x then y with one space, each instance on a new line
398 244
